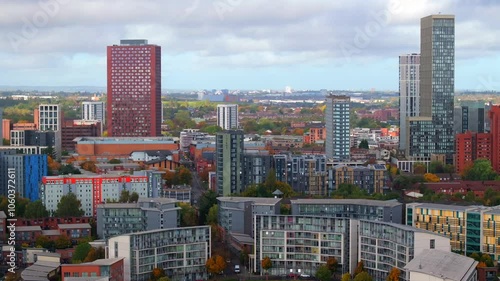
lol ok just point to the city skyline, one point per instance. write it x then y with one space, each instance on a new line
243 44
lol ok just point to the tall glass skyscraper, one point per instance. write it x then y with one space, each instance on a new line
432 132
409 93
337 144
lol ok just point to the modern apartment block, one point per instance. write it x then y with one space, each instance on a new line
300 244
134 89
236 213
93 111
471 116
409 93
181 252
470 228
28 170
386 211
92 190
471 146
371 178
337 120
256 165
432 132
147 214
229 162
227 116
49 119
304 173
384 246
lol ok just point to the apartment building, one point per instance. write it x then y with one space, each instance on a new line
111 269
386 211
384 246
181 252
147 214
372 178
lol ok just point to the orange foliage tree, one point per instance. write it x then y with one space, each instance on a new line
53 165
429 177
157 273
394 274
215 264
266 264
89 166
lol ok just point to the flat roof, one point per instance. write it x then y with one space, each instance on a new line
29 228
73 225
126 140
96 262
51 232
255 200
442 264
379 203
443 206
161 230
39 270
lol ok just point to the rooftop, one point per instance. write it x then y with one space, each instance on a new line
367 202
28 228
39 271
441 264
73 225
442 206
126 140
256 200
97 262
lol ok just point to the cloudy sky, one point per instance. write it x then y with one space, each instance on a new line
243 44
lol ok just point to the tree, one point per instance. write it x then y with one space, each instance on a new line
481 170
363 276
69 206
207 200
157 273
332 264
188 214
323 273
429 177
63 242
164 278
89 166
212 215
285 188
215 264
52 164
364 144
359 268
124 196
134 197
114 161
81 252
184 175
394 274
9 276
270 182
419 168
44 242
266 264
346 277
436 167
35 210
91 256
49 151
68 169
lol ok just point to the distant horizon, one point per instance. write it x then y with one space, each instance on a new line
254 44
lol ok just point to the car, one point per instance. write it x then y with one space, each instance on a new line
293 275
303 275
237 268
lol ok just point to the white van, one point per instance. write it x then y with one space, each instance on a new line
237 268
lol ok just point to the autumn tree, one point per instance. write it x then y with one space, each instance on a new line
323 273
44 242
359 268
69 206
419 168
215 264
91 255
157 273
266 264
363 276
35 210
63 242
332 264
429 177
394 274
53 165
89 166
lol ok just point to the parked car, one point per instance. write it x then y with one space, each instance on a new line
303 275
237 268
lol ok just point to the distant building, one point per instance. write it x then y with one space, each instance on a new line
255 168
181 252
372 178
337 120
28 170
50 119
227 116
78 128
409 93
470 116
229 162
147 214
93 111
134 89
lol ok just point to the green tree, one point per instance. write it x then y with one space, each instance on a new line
124 196
114 161
284 187
50 151
212 215
481 170
68 169
364 144
419 168
44 242
436 167
81 252
69 206
134 197
363 276
188 214
285 209
35 210
270 182
164 278
346 277
207 200
323 273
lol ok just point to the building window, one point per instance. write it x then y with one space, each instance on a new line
433 244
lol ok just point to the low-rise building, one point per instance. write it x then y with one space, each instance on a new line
113 269
181 252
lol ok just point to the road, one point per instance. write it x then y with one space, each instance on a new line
197 189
